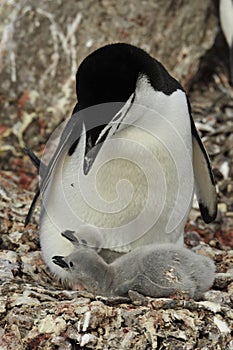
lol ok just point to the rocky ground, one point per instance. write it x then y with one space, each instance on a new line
40 49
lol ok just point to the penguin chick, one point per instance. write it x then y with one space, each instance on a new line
87 235
226 21
152 270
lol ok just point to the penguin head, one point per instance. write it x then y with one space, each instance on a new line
110 74
76 263
84 266
87 236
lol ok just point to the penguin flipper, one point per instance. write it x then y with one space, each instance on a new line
72 126
204 179
34 159
32 207
37 162
72 132
41 167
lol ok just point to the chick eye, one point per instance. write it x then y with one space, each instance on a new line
71 264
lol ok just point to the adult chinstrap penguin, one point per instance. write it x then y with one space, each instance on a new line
127 160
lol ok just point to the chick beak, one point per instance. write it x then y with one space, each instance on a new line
69 235
58 260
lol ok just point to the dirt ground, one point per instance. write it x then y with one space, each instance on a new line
41 46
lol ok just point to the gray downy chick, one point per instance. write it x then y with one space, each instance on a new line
153 270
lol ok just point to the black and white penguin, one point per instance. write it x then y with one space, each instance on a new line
226 22
127 161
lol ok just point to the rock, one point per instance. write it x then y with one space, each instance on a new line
222 280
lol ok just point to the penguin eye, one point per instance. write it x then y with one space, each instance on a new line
71 264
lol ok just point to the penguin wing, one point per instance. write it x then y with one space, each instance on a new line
204 179
72 131
37 162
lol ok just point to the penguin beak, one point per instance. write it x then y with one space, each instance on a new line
69 235
58 260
